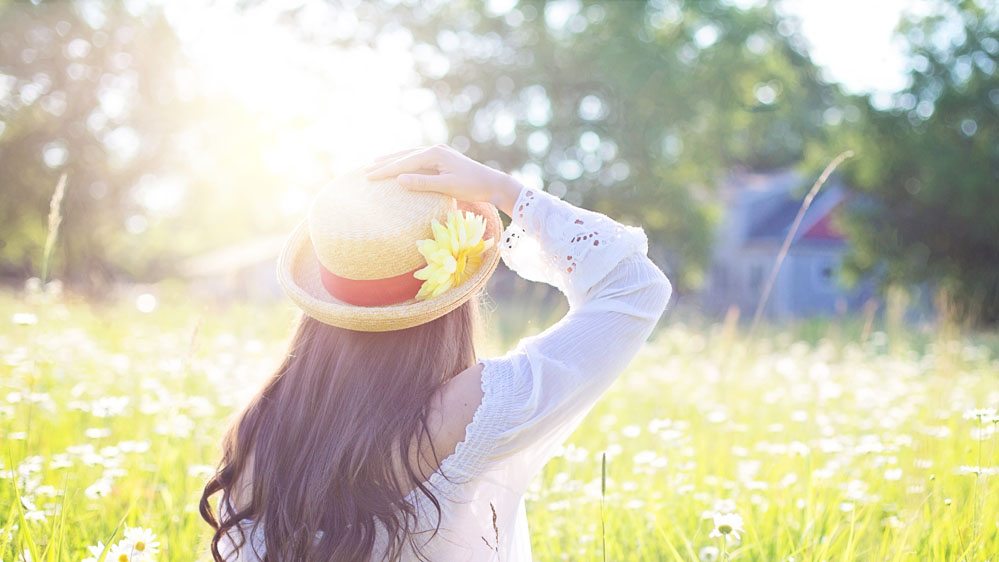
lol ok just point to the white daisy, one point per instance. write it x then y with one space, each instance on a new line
984 415
95 552
24 319
121 552
708 554
727 525
142 541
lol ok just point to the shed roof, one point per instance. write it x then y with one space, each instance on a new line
776 223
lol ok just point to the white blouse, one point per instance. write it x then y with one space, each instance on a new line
536 394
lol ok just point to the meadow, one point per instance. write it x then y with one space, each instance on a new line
800 443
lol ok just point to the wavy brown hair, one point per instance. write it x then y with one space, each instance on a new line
320 437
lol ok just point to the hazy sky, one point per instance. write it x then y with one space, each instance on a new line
303 89
853 39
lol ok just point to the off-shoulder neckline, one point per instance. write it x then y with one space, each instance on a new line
463 461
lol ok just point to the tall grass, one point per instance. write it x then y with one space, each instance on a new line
55 219
829 447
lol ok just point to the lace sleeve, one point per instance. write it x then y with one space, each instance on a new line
536 394
565 246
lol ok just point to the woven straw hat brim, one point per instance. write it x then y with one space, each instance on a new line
298 273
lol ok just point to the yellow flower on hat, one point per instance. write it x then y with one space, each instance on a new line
453 254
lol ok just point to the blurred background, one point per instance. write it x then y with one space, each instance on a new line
192 135
155 154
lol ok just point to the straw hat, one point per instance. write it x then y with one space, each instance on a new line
350 263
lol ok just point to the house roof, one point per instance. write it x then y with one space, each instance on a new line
774 221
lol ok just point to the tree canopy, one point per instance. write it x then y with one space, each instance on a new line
928 164
638 109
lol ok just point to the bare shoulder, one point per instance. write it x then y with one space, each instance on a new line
452 410
459 398
449 413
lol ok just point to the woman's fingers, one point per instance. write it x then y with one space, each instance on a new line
425 182
377 162
424 159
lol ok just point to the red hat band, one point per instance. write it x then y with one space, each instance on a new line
370 292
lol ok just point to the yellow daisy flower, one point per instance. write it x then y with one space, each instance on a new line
453 254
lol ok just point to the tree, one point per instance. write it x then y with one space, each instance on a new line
157 168
637 109
73 99
928 167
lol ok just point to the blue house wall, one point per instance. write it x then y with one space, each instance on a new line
759 211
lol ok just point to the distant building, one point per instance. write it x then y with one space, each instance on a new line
759 211
247 270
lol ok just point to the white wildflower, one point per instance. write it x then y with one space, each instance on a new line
95 552
725 506
982 470
631 431
24 319
727 525
97 432
142 542
101 487
145 302
983 415
120 552
708 554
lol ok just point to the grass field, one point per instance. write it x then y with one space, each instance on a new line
826 447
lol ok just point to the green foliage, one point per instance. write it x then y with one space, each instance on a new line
55 68
156 169
636 109
929 166
828 446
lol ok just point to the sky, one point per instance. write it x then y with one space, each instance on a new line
304 89
853 40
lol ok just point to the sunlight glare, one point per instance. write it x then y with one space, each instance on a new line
319 109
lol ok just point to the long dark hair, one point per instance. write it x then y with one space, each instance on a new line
320 438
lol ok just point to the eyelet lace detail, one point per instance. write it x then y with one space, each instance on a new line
552 241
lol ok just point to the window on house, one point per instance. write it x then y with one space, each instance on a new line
825 274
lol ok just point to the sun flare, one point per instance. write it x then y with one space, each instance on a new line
314 110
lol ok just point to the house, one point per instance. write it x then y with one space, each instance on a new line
759 210
246 270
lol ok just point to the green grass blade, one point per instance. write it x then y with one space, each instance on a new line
11 518
107 547
23 523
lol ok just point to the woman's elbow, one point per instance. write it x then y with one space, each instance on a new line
663 291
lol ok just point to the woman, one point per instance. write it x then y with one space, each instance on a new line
383 436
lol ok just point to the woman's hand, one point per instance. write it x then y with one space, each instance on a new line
443 169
